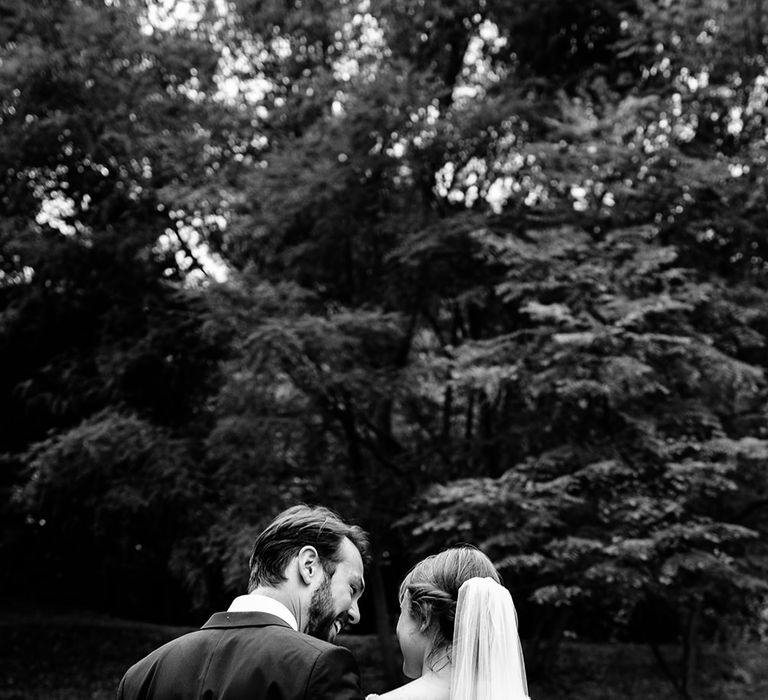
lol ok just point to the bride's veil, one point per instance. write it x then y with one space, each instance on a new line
487 656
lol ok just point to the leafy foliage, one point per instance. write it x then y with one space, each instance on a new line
98 128
112 499
495 272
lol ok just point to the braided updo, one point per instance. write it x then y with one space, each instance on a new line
431 589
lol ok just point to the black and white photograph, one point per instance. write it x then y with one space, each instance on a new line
383 349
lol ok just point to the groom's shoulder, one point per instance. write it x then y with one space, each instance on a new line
319 653
312 645
279 643
276 639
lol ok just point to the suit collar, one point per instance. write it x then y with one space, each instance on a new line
256 602
244 619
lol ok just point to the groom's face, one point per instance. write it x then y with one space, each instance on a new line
334 603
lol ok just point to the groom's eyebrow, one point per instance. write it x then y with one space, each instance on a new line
358 584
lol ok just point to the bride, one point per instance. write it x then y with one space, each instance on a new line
458 632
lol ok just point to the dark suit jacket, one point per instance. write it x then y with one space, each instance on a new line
244 656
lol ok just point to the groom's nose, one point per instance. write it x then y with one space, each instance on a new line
354 613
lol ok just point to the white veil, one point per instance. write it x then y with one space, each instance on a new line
487 656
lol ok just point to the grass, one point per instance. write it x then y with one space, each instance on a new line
47 655
74 656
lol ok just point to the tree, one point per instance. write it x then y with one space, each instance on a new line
564 285
608 387
109 504
98 310
478 258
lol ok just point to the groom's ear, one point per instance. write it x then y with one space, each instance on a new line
308 561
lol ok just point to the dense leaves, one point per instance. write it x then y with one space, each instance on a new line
490 271
95 129
112 499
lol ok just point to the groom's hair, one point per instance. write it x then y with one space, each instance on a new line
431 589
295 528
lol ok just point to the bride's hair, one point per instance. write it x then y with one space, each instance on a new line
431 589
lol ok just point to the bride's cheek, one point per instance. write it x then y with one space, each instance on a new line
411 648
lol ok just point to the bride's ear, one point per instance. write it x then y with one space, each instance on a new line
426 620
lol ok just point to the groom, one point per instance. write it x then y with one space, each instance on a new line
274 643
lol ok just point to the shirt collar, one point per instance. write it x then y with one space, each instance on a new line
254 602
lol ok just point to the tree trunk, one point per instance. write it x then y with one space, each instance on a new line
383 630
753 26
470 419
447 411
669 674
690 645
544 646
552 649
354 453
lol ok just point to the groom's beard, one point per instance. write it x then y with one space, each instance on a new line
322 618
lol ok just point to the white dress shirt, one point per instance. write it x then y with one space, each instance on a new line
253 602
